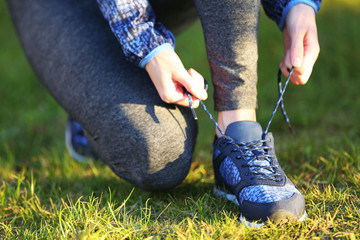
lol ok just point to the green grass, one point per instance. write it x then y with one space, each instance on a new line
45 194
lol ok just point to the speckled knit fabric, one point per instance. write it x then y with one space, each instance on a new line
76 56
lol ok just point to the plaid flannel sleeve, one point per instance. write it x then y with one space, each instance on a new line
134 24
277 9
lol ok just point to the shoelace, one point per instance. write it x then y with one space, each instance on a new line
259 160
256 152
205 108
280 102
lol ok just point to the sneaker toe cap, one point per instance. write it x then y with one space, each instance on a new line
279 211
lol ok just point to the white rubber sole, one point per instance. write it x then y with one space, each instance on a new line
232 198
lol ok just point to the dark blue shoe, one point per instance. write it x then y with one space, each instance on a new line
76 142
248 174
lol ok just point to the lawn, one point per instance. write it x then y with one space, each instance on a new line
45 194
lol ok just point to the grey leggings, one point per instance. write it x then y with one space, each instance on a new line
75 55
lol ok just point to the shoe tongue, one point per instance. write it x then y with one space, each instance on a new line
248 131
244 131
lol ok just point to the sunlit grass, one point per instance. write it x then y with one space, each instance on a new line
45 194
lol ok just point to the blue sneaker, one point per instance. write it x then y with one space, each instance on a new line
248 174
76 142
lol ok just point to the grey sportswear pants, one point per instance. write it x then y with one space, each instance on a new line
143 140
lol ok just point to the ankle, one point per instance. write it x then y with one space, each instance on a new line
225 118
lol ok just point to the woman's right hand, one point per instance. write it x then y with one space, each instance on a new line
170 78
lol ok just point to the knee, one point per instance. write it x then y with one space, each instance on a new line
153 172
166 178
151 155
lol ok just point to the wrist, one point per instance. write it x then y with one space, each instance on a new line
293 6
155 52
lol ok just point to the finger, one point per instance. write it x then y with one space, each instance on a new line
197 76
185 101
195 102
181 97
298 78
284 69
296 58
311 53
297 74
195 85
176 97
170 91
297 51
174 93
200 79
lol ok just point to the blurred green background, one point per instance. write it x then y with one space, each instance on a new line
325 113
31 120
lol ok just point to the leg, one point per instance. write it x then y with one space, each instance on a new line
230 34
231 43
75 55
246 169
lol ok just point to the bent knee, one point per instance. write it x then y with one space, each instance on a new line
152 174
168 177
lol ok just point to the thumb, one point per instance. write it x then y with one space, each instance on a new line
297 51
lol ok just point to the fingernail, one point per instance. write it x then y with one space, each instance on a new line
204 95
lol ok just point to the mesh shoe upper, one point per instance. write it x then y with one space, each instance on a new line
246 165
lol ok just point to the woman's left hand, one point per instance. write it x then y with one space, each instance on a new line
301 43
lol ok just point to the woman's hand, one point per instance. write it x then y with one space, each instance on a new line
170 78
301 43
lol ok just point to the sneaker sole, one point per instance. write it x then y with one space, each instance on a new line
278 217
76 156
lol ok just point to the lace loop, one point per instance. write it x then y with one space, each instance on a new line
256 153
280 102
259 161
